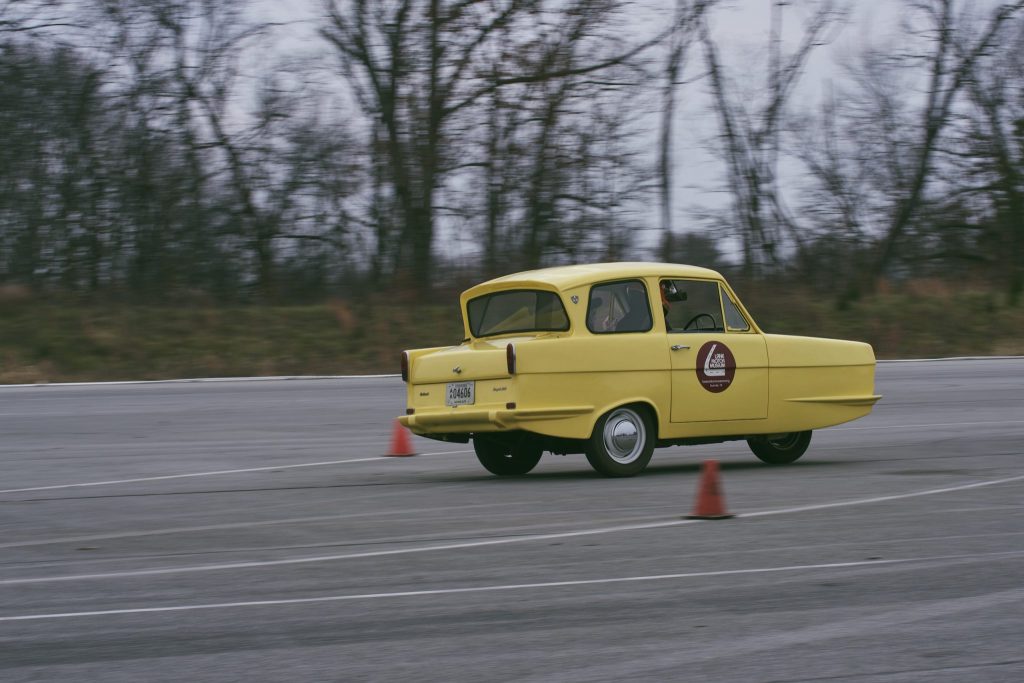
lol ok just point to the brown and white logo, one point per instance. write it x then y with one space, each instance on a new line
716 366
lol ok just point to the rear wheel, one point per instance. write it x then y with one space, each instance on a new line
505 459
780 449
622 442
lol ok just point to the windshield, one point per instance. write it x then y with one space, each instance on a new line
521 310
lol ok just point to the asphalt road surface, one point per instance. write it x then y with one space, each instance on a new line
249 531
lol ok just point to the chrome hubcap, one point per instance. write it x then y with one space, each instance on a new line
624 436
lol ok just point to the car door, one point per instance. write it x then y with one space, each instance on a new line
719 363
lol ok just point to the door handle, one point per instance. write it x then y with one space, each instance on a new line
679 347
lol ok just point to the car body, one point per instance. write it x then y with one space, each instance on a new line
615 359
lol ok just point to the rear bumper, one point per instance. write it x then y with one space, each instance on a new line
454 420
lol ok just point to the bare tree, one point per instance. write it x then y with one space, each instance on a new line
845 163
994 153
419 67
561 156
52 167
685 21
951 63
407 61
750 134
32 16
253 173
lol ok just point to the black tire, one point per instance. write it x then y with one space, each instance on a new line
504 459
622 442
780 449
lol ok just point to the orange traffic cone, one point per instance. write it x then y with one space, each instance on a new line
401 445
710 499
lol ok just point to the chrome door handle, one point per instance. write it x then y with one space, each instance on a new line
679 347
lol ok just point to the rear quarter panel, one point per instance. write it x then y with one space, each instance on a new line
599 371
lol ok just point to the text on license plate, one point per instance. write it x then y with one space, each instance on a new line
460 393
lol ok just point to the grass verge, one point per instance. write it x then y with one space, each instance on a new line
52 341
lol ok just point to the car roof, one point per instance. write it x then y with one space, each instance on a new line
567 277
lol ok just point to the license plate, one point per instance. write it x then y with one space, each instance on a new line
460 393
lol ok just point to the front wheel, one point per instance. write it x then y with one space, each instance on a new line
504 459
780 449
622 442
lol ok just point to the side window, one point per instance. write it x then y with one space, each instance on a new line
619 307
691 306
734 320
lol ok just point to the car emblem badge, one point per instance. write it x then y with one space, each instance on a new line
575 299
457 370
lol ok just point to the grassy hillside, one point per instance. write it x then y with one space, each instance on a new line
923 319
63 341
45 341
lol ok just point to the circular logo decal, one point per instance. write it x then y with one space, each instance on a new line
716 366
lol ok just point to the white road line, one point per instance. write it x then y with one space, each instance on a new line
942 424
216 472
883 499
343 556
342 462
192 380
948 358
454 591
490 542
383 457
262 523
509 587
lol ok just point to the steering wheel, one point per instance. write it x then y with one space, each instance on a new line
697 317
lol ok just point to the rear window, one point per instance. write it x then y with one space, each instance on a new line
521 310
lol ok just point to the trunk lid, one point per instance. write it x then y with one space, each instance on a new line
475 360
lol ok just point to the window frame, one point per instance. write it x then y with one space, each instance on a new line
735 304
647 300
721 306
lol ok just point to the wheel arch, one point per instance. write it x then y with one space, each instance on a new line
644 404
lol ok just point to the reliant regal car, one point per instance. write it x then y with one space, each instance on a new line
615 359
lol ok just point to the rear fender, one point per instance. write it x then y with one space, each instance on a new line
637 402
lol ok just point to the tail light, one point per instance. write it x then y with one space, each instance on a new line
405 366
510 358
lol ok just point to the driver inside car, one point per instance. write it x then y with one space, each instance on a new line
691 306
669 295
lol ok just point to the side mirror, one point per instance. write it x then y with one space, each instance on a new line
670 293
